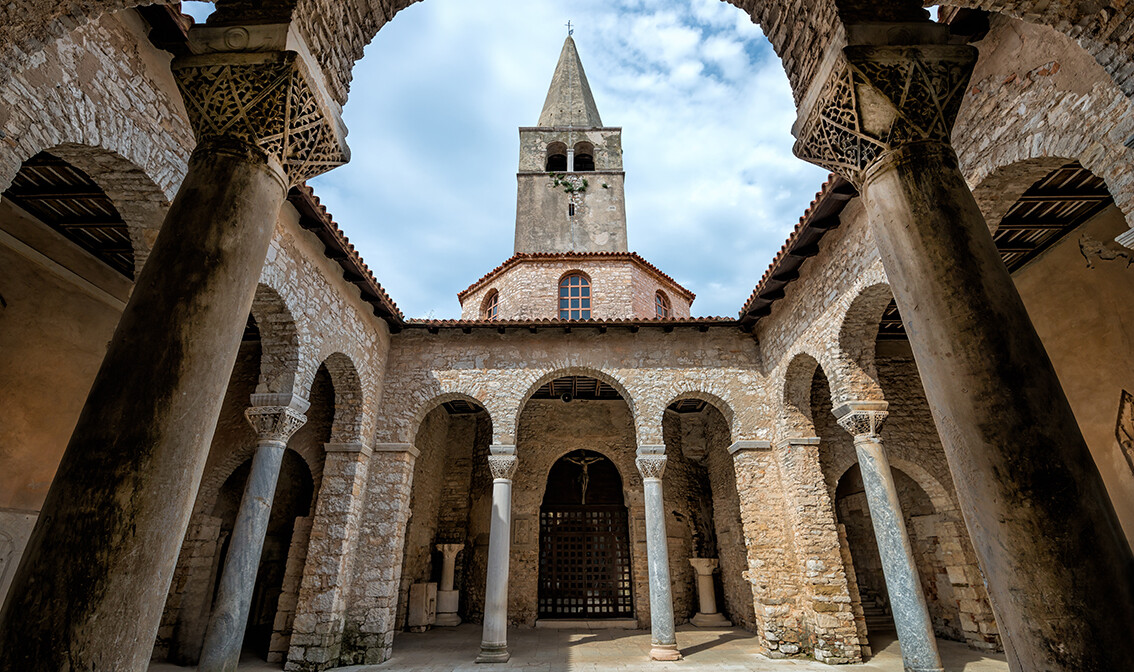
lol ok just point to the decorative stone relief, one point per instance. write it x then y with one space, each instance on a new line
878 98
274 423
266 100
863 422
651 466
502 466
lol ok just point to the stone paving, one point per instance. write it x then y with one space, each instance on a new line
453 650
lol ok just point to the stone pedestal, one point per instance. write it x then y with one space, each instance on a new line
274 425
863 419
494 641
707 615
448 600
663 639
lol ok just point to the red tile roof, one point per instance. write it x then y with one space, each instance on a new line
667 323
521 257
821 216
314 217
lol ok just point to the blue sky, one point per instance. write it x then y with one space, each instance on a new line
429 196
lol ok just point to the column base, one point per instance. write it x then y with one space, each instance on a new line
493 653
664 652
714 620
447 619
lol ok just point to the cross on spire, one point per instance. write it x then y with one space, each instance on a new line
570 30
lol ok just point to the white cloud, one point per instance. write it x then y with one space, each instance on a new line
429 196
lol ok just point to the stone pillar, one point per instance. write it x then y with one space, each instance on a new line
96 584
274 425
494 642
448 600
707 615
1059 571
317 631
570 159
663 638
863 419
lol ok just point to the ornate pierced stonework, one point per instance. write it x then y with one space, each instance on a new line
651 466
881 97
866 423
266 100
274 423
502 466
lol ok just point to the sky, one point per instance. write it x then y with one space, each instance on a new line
429 196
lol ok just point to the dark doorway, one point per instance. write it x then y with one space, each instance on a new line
584 541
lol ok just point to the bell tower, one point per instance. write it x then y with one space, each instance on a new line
570 195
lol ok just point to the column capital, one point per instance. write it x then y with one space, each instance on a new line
862 418
651 465
276 417
879 97
450 550
745 445
704 566
259 85
502 466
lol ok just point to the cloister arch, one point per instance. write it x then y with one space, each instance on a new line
347 426
720 405
796 418
279 337
584 371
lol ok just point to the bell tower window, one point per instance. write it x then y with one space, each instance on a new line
557 157
584 157
575 297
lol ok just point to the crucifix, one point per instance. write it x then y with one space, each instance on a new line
584 462
570 30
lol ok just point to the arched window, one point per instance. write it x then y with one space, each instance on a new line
490 310
661 305
584 157
575 297
557 157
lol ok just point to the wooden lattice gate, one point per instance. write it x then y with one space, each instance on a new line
584 562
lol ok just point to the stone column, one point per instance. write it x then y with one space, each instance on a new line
707 615
448 600
1059 571
90 589
274 425
663 638
863 419
494 642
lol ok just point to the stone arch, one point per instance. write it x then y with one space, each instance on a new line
937 493
795 418
629 489
858 334
435 403
723 407
609 379
347 425
279 340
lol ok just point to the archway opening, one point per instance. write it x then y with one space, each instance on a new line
584 541
451 486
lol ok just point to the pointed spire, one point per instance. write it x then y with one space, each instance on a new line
569 100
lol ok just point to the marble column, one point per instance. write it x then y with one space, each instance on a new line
448 600
663 638
863 419
91 586
707 615
1059 570
494 641
274 425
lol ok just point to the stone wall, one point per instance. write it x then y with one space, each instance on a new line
620 289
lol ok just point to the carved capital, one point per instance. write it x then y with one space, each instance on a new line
502 466
651 466
862 419
275 423
267 99
450 550
878 98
